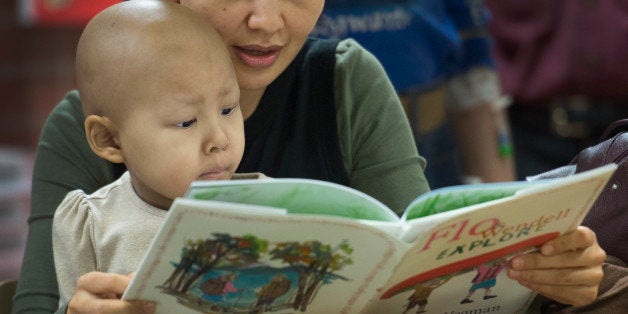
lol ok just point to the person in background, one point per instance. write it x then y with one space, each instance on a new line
564 65
437 54
312 108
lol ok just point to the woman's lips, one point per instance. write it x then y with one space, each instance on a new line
257 57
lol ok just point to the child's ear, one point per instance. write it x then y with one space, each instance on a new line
101 136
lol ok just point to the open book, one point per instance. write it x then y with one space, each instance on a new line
297 245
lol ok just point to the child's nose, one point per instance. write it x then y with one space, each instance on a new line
216 140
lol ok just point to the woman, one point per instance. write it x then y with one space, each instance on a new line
315 109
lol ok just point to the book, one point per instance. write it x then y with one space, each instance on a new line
299 245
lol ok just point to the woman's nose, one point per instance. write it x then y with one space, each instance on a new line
266 16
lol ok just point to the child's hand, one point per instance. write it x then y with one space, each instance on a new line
567 269
98 292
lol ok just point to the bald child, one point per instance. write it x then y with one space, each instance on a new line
160 95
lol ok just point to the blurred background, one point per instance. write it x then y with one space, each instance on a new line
562 64
37 42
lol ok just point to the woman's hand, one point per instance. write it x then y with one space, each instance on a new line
567 269
98 292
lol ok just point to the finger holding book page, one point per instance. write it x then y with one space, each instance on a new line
567 269
95 291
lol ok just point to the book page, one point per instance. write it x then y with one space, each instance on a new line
442 204
459 196
227 258
298 196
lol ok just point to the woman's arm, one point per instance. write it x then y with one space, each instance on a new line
378 148
63 162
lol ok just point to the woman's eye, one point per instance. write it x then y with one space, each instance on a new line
186 124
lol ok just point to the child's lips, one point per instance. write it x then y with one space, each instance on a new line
215 174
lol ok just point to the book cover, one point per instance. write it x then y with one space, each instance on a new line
296 245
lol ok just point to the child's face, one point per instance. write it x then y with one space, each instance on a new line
183 124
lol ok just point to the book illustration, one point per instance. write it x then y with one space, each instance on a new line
485 279
421 293
247 274
278 286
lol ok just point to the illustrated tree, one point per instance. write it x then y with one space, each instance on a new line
313 261
189 253
219 251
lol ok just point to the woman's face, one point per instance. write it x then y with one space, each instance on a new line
263 36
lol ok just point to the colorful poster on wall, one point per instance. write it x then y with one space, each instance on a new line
60 12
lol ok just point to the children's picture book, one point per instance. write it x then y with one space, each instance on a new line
298 245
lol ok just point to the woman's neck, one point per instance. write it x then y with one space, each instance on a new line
249 100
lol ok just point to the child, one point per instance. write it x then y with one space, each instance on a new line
142 73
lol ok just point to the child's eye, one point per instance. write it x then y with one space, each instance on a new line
186 124
228 111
